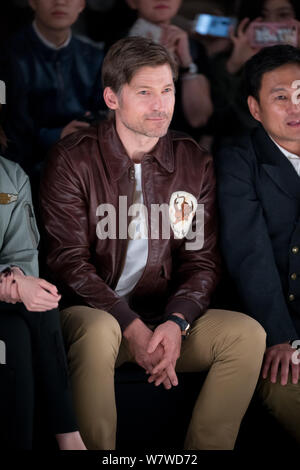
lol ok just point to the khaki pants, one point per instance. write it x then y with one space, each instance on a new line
231 345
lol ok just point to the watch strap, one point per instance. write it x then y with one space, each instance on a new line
183 324
192 69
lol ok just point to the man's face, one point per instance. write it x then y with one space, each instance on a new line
277 11
145 105
57 14
277 109
156 11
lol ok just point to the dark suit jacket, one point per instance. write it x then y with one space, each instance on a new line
259 202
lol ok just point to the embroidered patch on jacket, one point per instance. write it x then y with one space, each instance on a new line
182 208
6 198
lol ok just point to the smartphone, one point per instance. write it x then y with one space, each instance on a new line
214 25
270 34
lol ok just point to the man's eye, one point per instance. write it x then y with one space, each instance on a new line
143 92
281 97
167 90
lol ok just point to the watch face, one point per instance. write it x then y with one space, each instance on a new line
186 330
193 68
183 324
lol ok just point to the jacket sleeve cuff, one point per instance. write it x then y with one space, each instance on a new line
280 337
187 307
3 267
123 314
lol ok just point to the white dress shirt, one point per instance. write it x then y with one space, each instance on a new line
292 157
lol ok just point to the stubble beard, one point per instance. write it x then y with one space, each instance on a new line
143 130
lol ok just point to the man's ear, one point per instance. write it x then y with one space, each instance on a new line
254 108
110 98
132 4
82 5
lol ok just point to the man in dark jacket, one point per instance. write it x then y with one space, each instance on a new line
129 211
259 199
53 79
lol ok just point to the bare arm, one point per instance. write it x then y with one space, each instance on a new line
196 99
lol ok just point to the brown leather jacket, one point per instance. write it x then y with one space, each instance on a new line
92 167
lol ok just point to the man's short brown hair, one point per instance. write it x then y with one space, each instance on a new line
128 55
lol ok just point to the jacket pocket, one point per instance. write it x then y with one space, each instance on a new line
32 228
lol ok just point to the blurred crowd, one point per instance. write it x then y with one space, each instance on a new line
52 51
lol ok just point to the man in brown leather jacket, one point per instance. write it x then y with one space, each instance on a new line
129 211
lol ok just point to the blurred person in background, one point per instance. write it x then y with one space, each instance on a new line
53 81
272 11
232 117
213 44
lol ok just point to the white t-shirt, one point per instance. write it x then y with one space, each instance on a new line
137 248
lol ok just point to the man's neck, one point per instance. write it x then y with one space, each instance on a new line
56 37
159 23
136 145
290 146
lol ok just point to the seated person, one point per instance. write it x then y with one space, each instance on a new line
132 292
53 80
194 106
259 199
30 334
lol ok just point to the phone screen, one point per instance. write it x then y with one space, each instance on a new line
214 25
269 34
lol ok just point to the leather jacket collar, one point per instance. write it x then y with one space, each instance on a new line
111 144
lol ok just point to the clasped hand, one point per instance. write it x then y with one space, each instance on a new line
36 294
157 352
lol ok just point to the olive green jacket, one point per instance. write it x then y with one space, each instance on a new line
19 235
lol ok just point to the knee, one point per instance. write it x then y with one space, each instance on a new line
248 330
98 335
105 329
246 337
